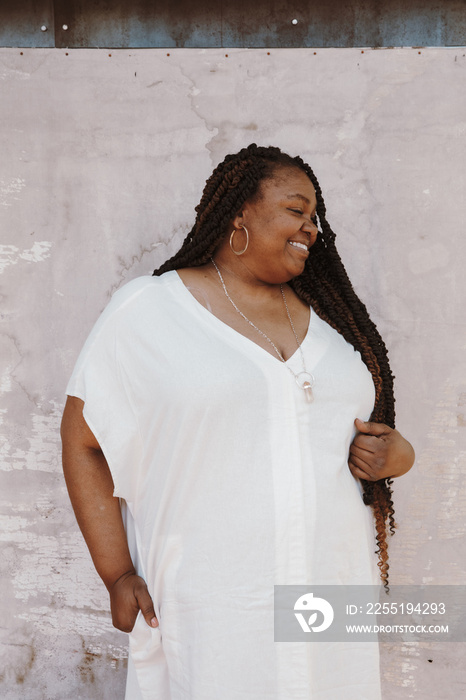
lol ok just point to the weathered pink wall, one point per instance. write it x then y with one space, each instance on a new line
103 159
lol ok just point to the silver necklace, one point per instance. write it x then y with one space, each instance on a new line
305 380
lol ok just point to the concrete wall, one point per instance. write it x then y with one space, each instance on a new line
104 156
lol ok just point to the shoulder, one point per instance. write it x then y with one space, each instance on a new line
137 290
131 303
141 285
131 310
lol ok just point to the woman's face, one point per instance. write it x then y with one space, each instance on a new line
281 225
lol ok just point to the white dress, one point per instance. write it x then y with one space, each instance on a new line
232 483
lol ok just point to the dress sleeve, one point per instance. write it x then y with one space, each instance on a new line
97 380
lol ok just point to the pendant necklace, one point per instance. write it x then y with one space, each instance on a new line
304 379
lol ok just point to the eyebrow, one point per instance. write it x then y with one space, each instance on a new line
298 196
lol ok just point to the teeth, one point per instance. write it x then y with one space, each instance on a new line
298 245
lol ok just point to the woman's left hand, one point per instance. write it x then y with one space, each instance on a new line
379 452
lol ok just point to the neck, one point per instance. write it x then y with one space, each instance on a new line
240 278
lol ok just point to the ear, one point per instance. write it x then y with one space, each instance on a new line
238 221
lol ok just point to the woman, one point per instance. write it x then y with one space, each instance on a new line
218 399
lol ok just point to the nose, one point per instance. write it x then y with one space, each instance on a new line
311 230
309 227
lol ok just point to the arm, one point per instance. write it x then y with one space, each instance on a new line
379 452
97 511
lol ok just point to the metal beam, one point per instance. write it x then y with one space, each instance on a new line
236 23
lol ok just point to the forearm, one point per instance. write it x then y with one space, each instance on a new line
90 487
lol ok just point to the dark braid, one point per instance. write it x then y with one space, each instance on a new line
324 285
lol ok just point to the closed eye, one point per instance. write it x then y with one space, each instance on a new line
300 212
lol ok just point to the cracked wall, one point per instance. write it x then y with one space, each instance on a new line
104 157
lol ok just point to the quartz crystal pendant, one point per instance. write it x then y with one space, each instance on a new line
308 392
305 381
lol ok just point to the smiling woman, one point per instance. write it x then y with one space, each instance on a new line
219 399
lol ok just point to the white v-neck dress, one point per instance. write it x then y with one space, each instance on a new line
232 483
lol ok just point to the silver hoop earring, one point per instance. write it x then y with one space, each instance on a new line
239 252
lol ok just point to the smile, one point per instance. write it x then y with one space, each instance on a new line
301 246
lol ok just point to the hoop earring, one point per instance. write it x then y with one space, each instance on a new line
239 252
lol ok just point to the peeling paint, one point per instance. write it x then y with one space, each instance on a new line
43 451
5 380
9 189
11 255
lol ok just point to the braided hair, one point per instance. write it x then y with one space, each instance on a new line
324 285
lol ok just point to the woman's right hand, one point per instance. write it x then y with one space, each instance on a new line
128 595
